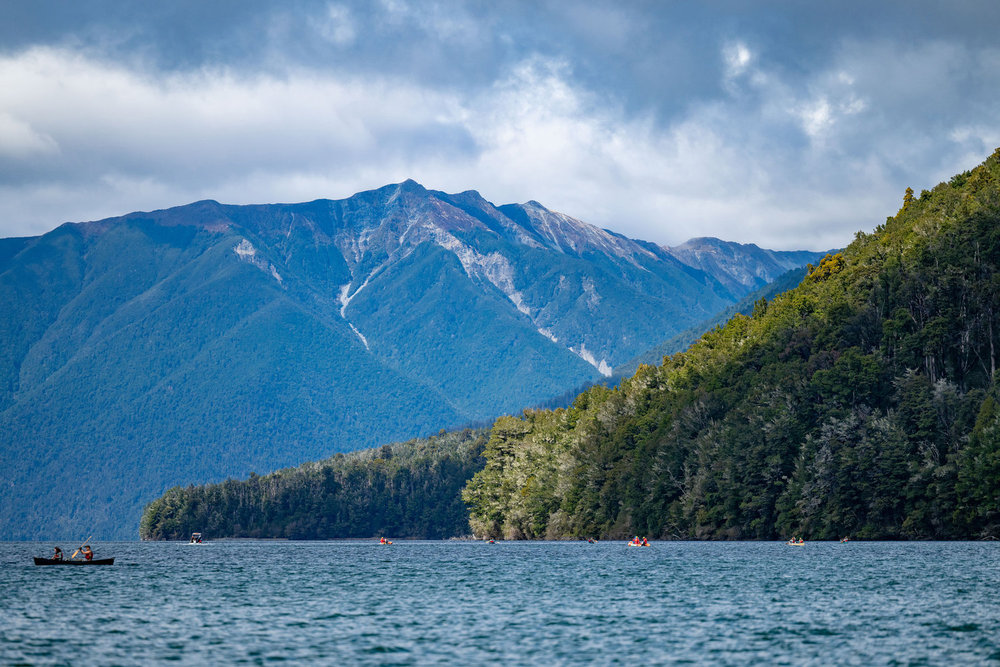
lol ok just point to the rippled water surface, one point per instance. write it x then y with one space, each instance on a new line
527 603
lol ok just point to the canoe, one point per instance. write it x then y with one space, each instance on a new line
796 544
96 561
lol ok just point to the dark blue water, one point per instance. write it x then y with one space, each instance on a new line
513 603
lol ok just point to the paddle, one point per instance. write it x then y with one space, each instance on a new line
80 547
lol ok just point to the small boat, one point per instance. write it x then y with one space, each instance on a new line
196 539
96 561
796 544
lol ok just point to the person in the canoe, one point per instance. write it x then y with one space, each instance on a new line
57 553
86 552
645 542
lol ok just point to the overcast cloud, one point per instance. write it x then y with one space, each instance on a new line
778 123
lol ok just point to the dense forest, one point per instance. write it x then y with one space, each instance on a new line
411 489
862 403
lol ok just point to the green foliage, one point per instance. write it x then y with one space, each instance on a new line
861 403
410 489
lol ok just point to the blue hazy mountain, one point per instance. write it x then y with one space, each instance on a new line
741 267
206 341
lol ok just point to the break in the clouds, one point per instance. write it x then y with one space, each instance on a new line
789 128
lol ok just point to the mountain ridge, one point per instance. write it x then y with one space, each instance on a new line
209 340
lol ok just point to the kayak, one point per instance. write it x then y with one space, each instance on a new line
96 561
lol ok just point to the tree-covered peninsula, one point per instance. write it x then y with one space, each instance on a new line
862 403
410 489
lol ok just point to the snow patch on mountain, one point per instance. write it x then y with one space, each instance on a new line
548 334
245 250
345 298
567 234
360 335
602 366
593 298
247 253
494 267
518 300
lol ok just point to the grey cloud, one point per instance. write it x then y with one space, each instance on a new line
626 115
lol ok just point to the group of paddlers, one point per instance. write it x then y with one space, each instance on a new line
84 551
636 542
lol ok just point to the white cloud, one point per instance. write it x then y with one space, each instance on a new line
18 139
788 162
737 57
336 25
816 116
444 22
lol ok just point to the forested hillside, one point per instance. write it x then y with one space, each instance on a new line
411 489
201 342
862 403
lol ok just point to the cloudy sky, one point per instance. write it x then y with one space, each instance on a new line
789 124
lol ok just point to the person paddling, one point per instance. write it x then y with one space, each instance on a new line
86 552
57 553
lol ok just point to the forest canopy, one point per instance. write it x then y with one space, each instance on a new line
862 403
410 489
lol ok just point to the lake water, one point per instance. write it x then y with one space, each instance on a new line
508 603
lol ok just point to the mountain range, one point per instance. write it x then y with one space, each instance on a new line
207 341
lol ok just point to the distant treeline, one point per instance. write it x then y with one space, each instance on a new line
412 489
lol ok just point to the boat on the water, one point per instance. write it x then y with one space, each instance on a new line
96 561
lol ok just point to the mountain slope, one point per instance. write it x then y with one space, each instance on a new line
741 267
684 339
207 341
863 402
